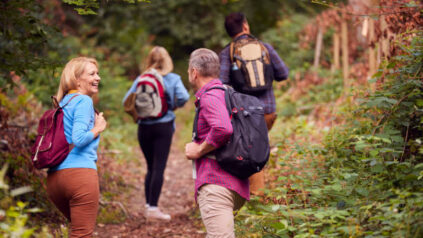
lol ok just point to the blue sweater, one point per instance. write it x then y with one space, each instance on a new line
178 96
78 120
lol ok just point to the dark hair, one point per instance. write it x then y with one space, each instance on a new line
234 22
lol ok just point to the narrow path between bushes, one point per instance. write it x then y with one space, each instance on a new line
177 199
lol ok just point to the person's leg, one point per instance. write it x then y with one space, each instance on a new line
84 201
56 192
164 133
217 204
146 139
257 183
270 120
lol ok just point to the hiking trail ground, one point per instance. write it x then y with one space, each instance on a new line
177 199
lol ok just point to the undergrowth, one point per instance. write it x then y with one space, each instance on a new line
358 177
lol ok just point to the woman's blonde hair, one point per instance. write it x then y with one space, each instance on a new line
159 59
72 71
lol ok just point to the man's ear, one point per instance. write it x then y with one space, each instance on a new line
246 27
194 73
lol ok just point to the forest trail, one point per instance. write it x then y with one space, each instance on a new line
177 199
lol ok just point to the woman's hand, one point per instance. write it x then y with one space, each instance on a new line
99 124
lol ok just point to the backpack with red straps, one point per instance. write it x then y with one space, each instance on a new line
149 101
51 147
248 149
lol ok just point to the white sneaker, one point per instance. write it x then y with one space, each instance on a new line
155 213
146 207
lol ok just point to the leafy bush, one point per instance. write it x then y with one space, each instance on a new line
365 180
14 214
285 39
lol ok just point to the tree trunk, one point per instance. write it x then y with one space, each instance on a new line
344 39
318 49
385 37
372 50
336 52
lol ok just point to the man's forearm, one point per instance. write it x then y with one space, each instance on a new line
206 148
195 151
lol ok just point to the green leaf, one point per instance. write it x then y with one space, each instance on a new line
19 191
378 168
280 225
362 191
374 153
419 102
319 215
275 208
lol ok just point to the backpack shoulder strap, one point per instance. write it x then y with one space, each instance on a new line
266 51
231 52
152 73
56 102
216 87
231 48
197 111
74 96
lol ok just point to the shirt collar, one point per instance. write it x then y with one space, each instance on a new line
202 90
245 35
72 91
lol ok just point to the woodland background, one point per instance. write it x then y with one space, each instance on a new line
347 147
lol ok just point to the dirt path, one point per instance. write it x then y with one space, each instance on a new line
177 199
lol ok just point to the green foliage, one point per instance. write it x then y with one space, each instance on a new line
88 7
19 113
111 215
84 7
14 214
184 120
366 178
285 39
185 25
126 42
26 41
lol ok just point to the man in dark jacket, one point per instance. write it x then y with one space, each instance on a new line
237 27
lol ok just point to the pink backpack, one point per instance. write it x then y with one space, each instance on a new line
50 147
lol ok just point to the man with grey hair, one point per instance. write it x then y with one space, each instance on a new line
217 192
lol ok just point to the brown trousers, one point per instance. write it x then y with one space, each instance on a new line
257 179
75 192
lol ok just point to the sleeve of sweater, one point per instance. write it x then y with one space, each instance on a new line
132 89
181 93
81 130
280 70
225 64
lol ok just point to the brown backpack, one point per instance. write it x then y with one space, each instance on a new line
251 69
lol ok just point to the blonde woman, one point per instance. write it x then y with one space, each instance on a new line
155 135
73 185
